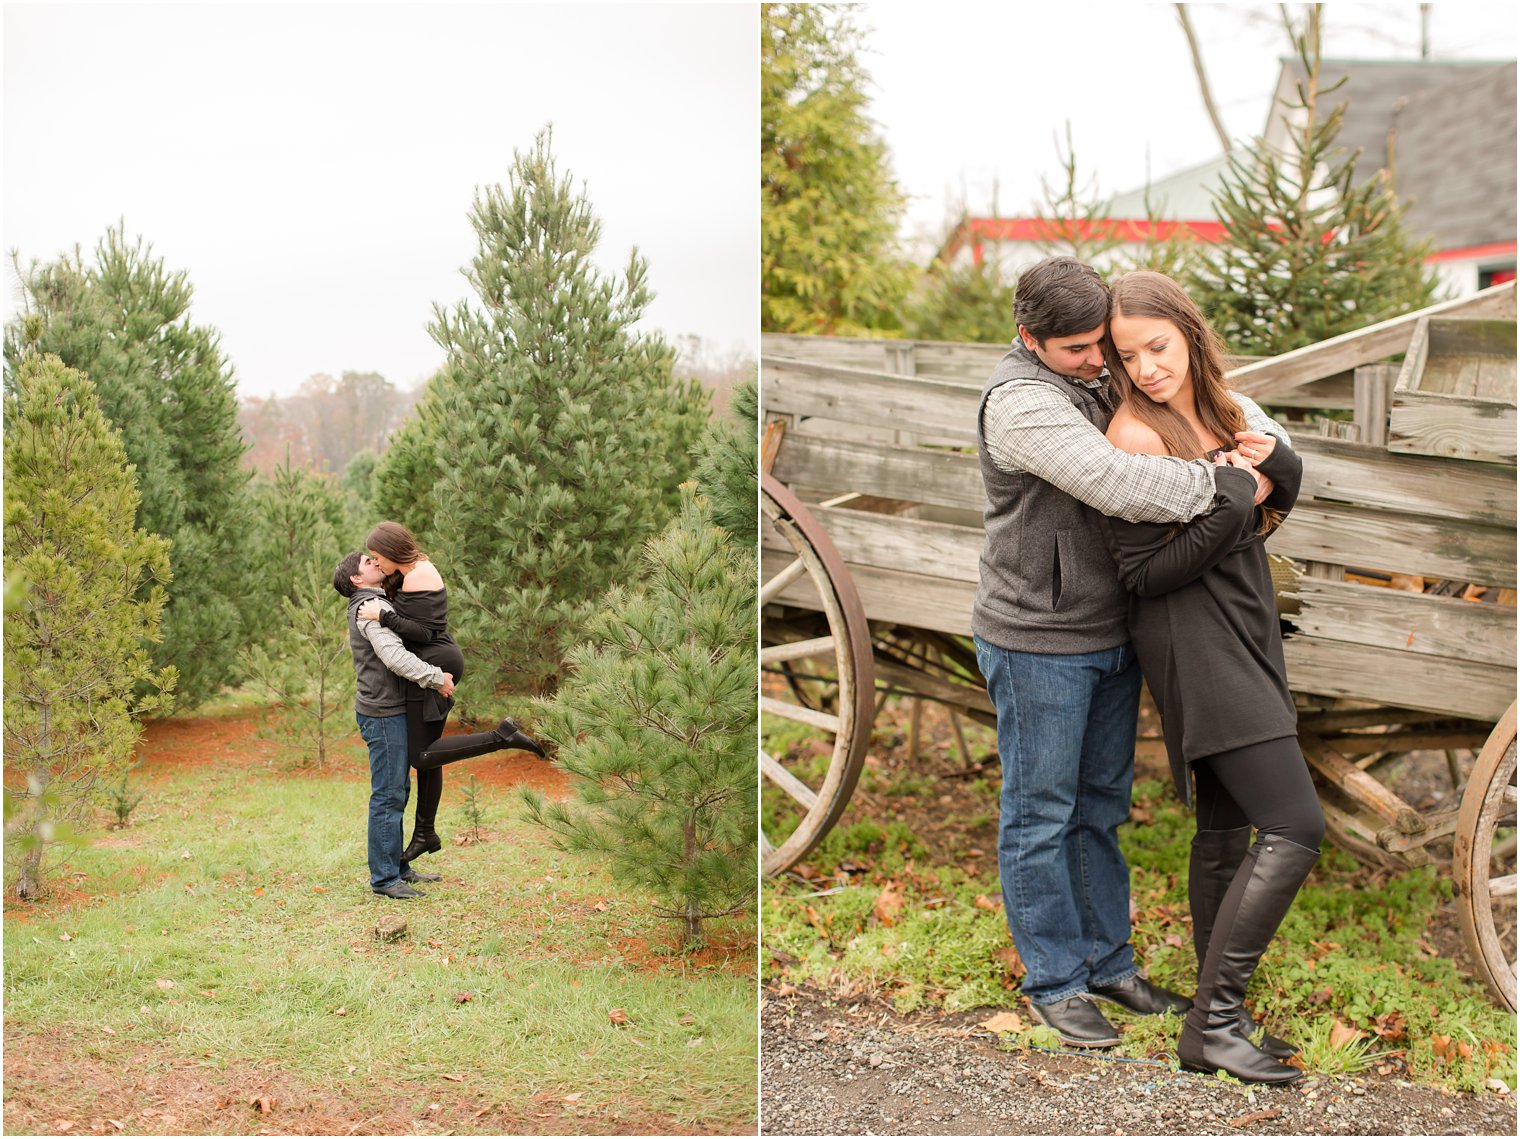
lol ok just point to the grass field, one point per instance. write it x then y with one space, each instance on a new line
223 944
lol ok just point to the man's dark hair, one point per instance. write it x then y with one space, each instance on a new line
1059 296
343 575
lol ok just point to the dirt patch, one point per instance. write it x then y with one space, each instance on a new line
862 1069
231 740
53 1087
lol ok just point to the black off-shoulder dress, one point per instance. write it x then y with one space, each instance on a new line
1203 619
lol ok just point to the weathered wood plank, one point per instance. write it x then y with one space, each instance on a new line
900 597
1411 680
1400 621
1394 543
1359 786
1336 470
939 478
1363 346
1451 427
902 403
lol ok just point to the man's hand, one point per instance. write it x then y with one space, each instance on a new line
370 610
447 687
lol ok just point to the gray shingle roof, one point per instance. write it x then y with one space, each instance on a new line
1454 140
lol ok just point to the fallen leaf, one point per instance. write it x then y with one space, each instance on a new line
786 990
108 1030
1009 956
434 943
1004 1022
163 984
453 1079
319 889
1441 1045
1173 940
464 998
600 907
983 902
618 1016
340 1012
258 889
573 1096
263 1104
64 1126
889 904
1342 1034
184 854
1390 1027
65 937
1321 996
207 993
687 1019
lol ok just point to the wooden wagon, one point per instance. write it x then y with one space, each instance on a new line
1397 577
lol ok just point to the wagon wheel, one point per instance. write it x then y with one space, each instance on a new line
1483 862
841 656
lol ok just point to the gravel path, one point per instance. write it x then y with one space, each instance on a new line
863 1070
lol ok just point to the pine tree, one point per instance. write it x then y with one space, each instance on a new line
298 653
551 444
728 466
90 597
1074 221
1309 253
657 720
971 303
829 204
164 383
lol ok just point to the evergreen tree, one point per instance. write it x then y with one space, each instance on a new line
657 718
551 444
1309 253
972 303
829 205
91 594
166 386
1074 221
358 482
728 465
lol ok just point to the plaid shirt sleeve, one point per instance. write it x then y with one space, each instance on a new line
1256 419
1031 427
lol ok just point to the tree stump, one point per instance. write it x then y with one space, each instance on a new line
391 927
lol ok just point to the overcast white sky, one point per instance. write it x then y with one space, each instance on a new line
312 166
978 93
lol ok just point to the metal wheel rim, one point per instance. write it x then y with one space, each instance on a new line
852 659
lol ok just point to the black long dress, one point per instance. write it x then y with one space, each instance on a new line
421 620
1203 619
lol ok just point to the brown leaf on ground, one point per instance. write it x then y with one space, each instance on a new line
889 904
983 902
1009 956
453 1078
163 984
618 1016
1004 1022
1342 1034
1322 996
687 1019
464 998
1441 1046
1390 1027
263 1104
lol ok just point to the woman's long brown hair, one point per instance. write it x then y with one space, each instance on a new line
1148 294
395 542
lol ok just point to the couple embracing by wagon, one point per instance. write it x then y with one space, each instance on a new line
1129 494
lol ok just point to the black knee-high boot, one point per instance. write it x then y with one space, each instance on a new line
1212 863
1258 899
421 734
500 738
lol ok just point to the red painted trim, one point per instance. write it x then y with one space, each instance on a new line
1126 229
1475 252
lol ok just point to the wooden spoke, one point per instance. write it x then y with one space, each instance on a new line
796 650
788 782
802 715
770 590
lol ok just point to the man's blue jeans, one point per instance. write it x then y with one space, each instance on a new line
1066 739
389 786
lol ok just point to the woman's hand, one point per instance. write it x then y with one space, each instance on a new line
370 610
1254 445
1234 459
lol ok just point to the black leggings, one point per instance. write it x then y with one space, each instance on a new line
1266 785
420 735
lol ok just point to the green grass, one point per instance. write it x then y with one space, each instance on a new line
1351 949
247 889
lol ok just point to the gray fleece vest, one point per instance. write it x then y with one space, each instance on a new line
1048 582
379 691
